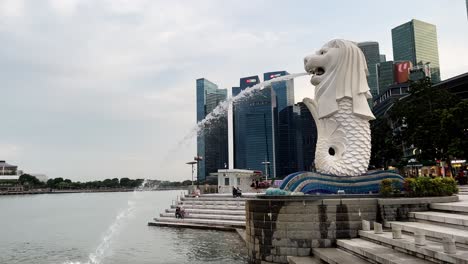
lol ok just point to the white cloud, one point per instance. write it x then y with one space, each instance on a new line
11 8
10 151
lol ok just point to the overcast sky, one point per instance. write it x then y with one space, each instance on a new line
100 89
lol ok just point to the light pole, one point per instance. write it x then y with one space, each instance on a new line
198 159
266 163
191 163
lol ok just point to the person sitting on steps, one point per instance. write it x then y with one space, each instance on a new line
234 192
239 192
180 211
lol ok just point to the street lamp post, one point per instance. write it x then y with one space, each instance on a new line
197 159
191 163
266 163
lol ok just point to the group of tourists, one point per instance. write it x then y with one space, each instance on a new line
254 184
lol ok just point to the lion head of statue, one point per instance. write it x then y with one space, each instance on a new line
339 70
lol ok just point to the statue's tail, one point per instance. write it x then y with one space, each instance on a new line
343 141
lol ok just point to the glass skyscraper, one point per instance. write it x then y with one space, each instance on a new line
254 127
212 143
416 41
264 126
307 138
372 53
385 75
284 90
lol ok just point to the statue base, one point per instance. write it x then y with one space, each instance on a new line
319 183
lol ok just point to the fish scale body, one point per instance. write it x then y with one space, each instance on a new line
349 135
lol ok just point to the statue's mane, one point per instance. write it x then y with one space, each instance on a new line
347 79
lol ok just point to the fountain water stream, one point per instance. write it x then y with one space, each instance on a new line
113 230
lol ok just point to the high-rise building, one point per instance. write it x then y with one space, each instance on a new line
297 139
256 122
416 41
372 54
212 143
307 138
284 90
254 136
385 75
383 58
288 156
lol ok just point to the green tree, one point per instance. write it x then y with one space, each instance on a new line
27 179
125 182
386 145
435 122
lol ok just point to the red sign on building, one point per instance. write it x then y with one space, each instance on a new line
402 70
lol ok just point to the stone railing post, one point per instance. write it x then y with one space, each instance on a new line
419 238
365 225
449 245
378 228
396 232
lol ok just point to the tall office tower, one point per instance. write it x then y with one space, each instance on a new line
297 139
383 58
212 143
385 75
284 90
288 158
372 54
254 128
283 121
416 41
307 138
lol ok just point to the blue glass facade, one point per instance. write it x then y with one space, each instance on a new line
284 90
212 143
297 139
254 127
265 126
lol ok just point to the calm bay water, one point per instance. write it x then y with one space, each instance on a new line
61 228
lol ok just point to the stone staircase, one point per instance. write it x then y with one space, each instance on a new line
463 189
210 211
436 236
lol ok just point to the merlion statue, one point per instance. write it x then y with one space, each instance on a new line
340 108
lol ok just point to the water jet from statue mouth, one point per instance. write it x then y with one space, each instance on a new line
318 71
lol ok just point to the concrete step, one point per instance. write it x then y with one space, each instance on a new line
228 223
455 220
204 198
434 230
229 195
213 202
208 216
378 253
303 260
461 207
337 256
209 211
191 225
212 207
431 251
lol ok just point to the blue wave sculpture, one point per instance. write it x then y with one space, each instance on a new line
313 182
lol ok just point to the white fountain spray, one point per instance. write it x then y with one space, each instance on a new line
222 108
113 230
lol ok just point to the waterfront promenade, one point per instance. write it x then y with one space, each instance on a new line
55 191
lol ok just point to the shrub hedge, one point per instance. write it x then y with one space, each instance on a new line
420 186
